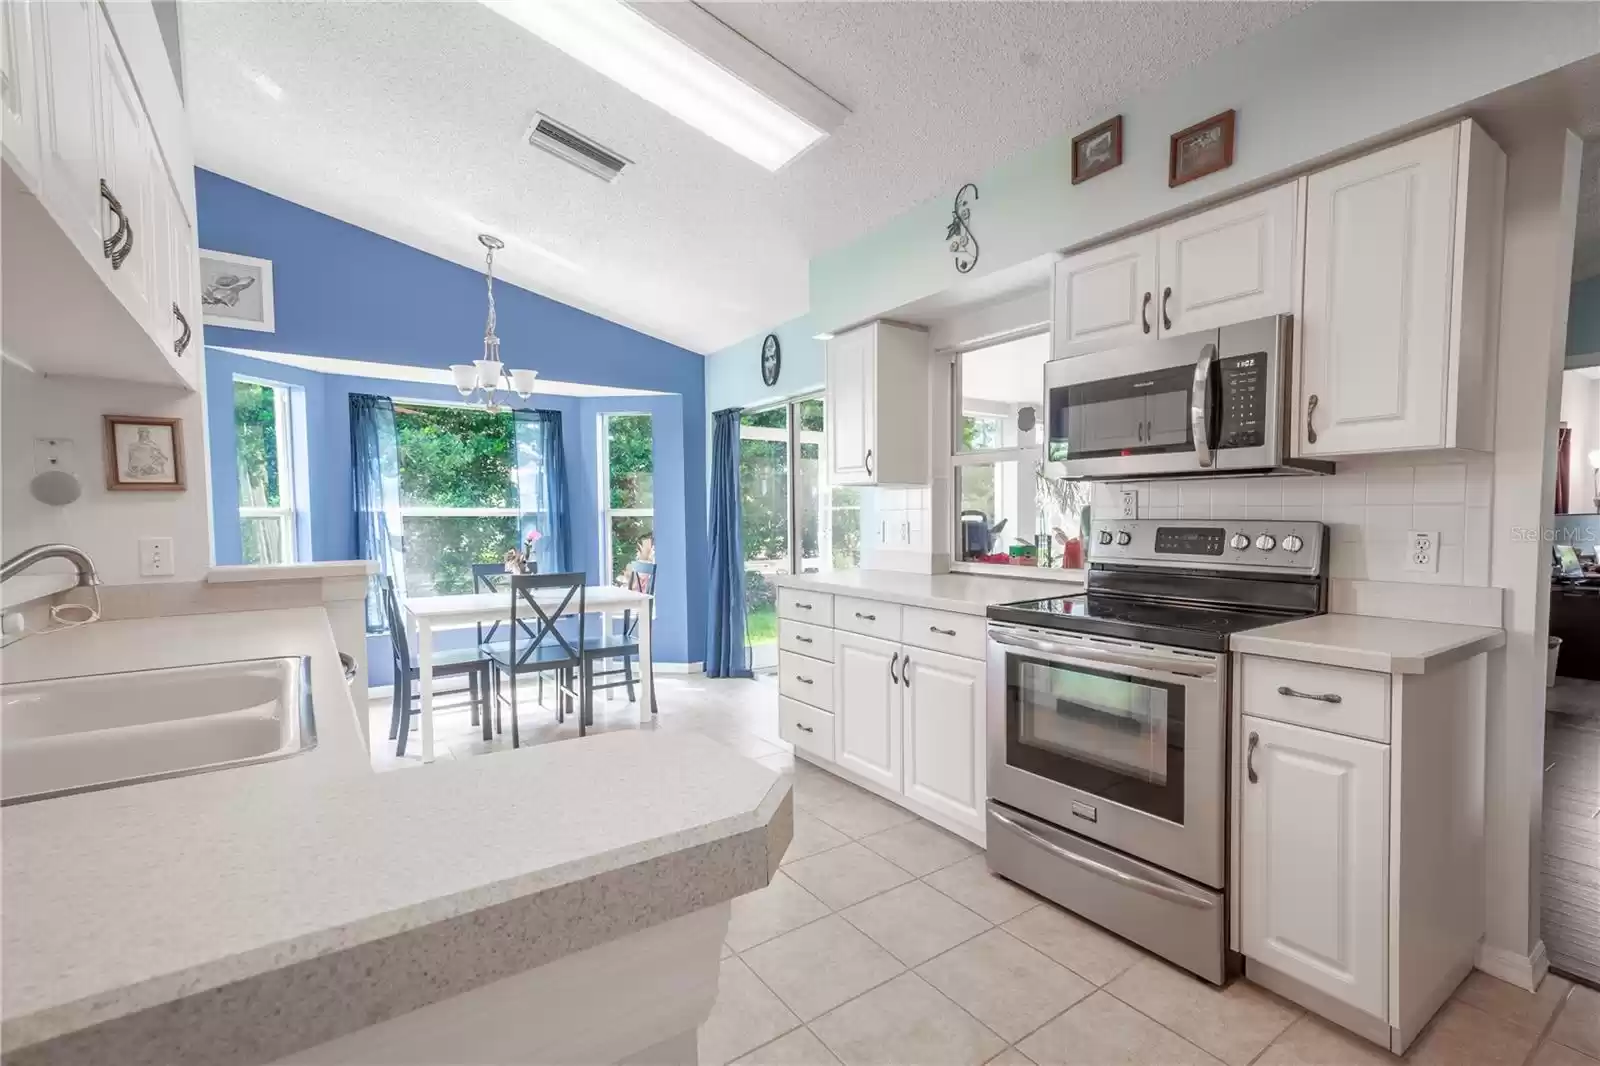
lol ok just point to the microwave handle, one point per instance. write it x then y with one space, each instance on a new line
1200 404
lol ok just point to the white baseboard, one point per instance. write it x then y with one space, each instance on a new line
1524 971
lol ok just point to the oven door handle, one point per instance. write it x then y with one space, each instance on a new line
1094 866
1200 404
1133 663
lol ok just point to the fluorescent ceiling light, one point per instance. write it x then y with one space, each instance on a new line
687 63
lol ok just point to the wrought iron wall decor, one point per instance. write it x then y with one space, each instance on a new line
963 245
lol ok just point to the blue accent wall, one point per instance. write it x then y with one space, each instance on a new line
344 292
1583 324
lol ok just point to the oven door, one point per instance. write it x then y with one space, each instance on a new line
1117 741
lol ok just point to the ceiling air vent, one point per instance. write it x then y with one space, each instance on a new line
564 142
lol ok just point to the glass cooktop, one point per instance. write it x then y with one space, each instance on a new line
1203 628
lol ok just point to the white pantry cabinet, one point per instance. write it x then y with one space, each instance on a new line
99 204
1397 330
1230 264
877 389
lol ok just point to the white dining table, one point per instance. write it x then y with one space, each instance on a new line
431 613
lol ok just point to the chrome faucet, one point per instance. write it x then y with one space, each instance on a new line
39 553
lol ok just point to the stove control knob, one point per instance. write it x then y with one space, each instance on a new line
1292 543
1105 536
1238 542
1124 538
1266 542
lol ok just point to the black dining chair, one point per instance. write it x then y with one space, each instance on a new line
537 645
624 644
468 662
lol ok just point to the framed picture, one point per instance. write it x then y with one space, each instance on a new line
236 291
1096 151
1202 149
144 454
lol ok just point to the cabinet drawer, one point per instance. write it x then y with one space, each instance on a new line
806 679
874 618
805 606
957 634
1287 691
806 727
806 639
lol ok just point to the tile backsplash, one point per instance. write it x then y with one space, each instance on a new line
1370 511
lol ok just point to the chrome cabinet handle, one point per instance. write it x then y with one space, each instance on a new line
804 640
803 606
1250 758
892 664
1320 697
942 632
804 680
109 245
1144 312
804 728
1311 409
1166 298
905 671
182 342
866 617
869 462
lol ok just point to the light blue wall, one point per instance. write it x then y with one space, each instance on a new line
733 375
344 292
1583 324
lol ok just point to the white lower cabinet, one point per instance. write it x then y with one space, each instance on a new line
1315 840
943 715
868 701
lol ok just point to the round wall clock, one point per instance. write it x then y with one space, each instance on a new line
771 360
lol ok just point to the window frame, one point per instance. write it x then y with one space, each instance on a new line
283 445
608 514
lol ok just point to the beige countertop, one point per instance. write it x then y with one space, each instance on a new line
962 593
1359 642
292 571
184 920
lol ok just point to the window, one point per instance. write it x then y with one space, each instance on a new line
266 472
1009 511
459 502
628 466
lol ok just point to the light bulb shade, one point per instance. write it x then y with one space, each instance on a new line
522 382
1594 458
489 371
465 376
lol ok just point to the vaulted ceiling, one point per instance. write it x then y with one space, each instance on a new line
409 119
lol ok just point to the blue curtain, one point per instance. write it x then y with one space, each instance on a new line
541 466
727 652
375 462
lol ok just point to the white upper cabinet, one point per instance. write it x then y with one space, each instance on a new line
878 400
1396 347
19 109
125 166
867 703
69 122
1314 824
944 742
1231 264
1105 297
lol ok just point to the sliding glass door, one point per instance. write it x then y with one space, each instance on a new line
793 520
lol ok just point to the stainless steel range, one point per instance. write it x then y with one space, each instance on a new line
1108 723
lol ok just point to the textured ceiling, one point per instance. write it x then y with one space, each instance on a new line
1586 256
408 119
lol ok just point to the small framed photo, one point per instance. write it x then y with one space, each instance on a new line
1202 149
236 291
1096 151
144 454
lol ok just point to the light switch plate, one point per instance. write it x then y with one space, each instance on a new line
155 557
1129 504
52 453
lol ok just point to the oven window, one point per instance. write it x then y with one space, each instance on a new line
1117 737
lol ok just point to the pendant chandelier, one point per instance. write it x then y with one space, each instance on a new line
483 378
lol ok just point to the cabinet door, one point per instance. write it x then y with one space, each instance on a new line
125 144
852 385
184 270
1314 827
1231 264
69 122
1104 298
19 114
944 724
866 706
1375 320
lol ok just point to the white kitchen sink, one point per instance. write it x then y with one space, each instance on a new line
97 731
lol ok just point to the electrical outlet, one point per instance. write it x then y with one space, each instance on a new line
155 557
1130 504
1422 551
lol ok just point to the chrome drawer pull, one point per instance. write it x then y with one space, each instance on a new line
866 617
802 606
804 680
1325 697
804 640
1250 758
804 728
942 632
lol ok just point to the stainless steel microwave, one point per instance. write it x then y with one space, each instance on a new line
1216 402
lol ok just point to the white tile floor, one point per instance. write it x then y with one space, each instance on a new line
885 940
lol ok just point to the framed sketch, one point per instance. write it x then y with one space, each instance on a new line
236 291
1202 149
144 453
1096 151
